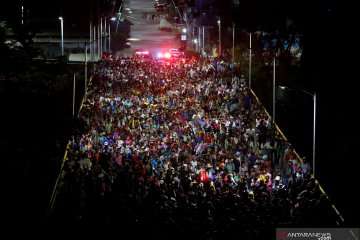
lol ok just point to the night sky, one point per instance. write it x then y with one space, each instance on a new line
44 12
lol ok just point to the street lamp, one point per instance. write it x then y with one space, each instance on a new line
86 77
199 36
109 47
274 93
233 48
62 35
177 10
119 17
73 110
250 61
196 44
200 39
314 125
219 23
249 33
203 41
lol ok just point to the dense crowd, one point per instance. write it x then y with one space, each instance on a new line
182 149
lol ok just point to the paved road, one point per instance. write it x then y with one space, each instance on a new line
146 33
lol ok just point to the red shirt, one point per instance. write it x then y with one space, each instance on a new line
135 159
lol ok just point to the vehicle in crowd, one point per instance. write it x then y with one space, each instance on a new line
160 6
142 53
176 53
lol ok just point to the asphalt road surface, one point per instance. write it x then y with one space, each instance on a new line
145 33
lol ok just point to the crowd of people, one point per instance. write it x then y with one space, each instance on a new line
182 147
153 16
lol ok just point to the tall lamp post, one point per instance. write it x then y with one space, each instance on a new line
250 61
219 23
314 127
233 48
274 92
249 33
177 11
200 40
62 35
86 77
74 84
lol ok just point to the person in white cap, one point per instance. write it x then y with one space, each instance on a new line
305 166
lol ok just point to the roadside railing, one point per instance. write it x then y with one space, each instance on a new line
60 178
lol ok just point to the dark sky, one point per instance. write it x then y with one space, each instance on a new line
42 16
41 9
331 66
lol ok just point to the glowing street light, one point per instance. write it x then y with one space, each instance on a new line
62 35
249 33
219 23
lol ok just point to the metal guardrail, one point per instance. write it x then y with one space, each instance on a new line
59 179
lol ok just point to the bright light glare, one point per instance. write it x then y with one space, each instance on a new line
159 55
133 39
167 55
113 18
142 52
